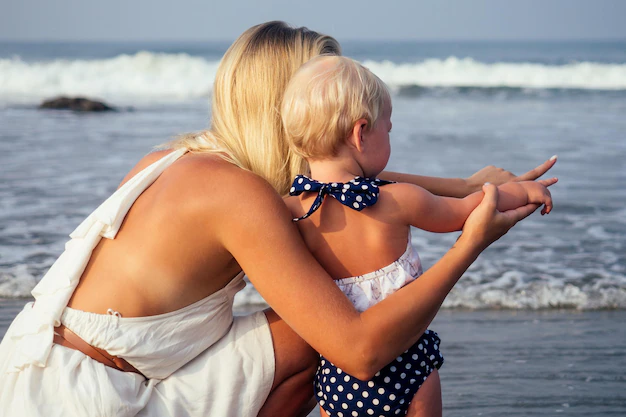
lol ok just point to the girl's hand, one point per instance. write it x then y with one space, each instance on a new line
538 193
486 224
499 176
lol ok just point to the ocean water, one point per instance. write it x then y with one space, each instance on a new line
457 107
550 294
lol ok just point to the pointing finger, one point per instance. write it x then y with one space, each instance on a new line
537 172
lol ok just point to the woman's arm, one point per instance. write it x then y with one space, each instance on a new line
462 187
257 230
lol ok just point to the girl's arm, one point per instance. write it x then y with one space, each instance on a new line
462 187
257 230
421 209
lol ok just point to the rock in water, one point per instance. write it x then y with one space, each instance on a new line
76 104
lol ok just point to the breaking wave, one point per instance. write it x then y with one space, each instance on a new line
507 292
148 75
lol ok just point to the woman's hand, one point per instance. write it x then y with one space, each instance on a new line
499 176
486 224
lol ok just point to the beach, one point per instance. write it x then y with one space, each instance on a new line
536 325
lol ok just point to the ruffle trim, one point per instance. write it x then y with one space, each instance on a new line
364 291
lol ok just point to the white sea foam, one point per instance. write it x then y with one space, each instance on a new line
142 75
148 75
537 296
508 292
16 282
467 72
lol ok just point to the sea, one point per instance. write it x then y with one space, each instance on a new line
536 327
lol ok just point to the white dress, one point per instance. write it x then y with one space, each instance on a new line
199 360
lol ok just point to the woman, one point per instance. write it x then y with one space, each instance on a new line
140 323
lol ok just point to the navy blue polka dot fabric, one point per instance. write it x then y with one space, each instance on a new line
357 194
391 390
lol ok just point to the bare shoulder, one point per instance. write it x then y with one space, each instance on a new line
204 190
400 201
401 192
207 171
203 178
213 183
234 202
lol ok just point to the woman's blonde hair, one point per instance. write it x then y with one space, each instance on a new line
246 127
324 100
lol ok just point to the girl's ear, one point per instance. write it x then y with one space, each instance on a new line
355 138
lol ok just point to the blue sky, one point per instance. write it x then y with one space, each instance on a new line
141 20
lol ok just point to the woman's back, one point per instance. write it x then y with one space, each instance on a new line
165 255
189 334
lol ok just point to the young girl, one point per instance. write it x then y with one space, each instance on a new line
337 114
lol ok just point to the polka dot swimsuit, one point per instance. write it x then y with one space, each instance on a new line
391 390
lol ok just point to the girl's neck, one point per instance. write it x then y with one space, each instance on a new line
334 170
341 168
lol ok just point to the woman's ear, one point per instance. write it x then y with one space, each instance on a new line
355 138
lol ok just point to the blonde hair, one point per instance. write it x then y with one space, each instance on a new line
324 100
246 127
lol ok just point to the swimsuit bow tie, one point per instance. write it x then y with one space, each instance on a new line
357 194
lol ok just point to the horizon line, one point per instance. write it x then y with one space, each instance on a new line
189 40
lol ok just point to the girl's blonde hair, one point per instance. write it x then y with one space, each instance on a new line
324 100
246 127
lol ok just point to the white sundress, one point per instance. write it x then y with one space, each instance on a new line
199 360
